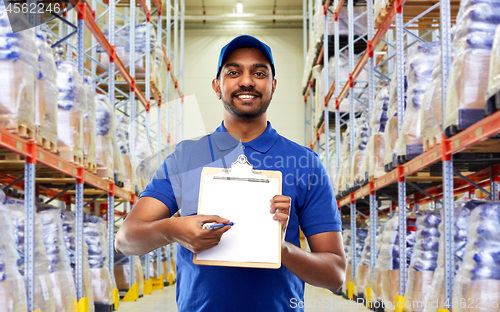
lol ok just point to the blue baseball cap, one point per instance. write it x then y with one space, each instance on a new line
245 41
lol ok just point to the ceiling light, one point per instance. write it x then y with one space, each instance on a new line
239 7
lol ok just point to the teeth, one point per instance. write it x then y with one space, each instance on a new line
244 96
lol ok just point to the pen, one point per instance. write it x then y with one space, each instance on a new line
211 226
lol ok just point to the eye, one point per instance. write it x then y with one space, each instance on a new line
260 74
232 73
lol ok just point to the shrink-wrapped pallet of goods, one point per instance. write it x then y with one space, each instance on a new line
468 79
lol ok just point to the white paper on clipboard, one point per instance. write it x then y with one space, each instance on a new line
243 197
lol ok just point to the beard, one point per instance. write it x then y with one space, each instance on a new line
244 114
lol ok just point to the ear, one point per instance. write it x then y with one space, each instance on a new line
274 87
216 88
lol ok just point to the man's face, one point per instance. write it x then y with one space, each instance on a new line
245 83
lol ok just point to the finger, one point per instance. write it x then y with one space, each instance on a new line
214 218
281 216
283 219
283 207
280 202
216 233
281 198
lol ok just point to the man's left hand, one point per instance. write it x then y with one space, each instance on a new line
280 205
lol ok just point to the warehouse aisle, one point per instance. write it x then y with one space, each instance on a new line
316 300
162 300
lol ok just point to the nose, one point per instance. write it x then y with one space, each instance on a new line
246 80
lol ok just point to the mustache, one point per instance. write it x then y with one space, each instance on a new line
249 90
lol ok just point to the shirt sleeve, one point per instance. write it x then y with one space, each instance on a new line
165 184
319 213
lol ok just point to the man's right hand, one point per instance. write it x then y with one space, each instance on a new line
189 233
149 226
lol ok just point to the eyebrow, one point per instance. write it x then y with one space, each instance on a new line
261 66
257 65
232 65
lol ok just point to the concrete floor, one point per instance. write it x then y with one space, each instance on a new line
316 300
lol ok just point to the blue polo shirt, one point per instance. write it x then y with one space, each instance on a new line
177 182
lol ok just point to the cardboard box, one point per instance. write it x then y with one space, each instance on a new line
102 285
391 136
376 158
362 272
40 102
139 275
358 173
122 276
12 295
44 298
17 103
63 288
70 131
103 58
128 174
419 289
432 115
376 284
481 296
119 169
46 112
104 157
390 286
472 83
140 64
89 135
468 85
165 269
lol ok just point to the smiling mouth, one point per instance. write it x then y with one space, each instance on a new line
246 96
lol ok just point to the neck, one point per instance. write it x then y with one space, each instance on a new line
246 130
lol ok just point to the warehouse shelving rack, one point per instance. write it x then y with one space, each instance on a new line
400 186
44 172
176 80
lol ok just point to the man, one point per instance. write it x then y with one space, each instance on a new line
245 83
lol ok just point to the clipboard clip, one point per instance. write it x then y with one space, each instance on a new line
241 170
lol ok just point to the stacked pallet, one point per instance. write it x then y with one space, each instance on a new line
12 290
89 129
105 137
493 93
359 177
391 128
19 69
376 144
344 173
432 111
423 260
46 95
71 104
122 140
419 67
69 226
468 80
60 273
95 233
122 48
43 290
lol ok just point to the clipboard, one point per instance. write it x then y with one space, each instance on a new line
255 239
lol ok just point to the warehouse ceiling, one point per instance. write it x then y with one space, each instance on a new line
213 14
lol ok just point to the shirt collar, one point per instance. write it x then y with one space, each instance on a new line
261 144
